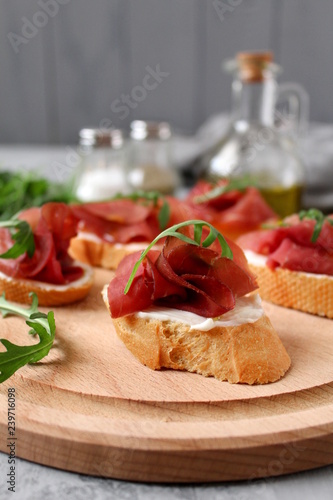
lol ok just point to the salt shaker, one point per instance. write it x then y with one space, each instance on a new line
102 170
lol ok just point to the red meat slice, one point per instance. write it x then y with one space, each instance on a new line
249 211
291 247
8 266
53 225
181 276
122 211
44 252
219 203
232 213
264 242
140 294
294 257
120 221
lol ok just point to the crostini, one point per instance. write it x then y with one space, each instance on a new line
293 262
190 307
110 230
34 257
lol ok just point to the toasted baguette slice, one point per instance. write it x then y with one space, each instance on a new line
297 290
48 294
96 252
251 353
99 253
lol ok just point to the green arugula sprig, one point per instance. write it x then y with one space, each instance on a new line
213 235
153 197
41 324
22 235
237 184
21 190
319 217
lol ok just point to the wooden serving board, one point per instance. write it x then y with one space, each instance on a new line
91 407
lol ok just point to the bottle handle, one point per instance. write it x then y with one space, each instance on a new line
296 119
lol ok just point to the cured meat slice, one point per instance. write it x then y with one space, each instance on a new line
140 294
221 202
181 276
53 225
264 242
119 221
127 221
234 212
44 252
196 260
122 211
291 246
290 255
249 211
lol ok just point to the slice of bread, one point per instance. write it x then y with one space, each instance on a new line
250 353
96 252
297 290
48 294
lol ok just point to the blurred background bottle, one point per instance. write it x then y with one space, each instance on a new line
261 142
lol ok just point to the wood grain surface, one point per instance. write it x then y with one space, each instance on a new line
91 407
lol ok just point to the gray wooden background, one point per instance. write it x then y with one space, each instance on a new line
64 63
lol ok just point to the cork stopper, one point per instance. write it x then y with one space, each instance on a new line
252 65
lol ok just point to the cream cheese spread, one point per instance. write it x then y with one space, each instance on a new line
248 309
88 271
260 260
129 246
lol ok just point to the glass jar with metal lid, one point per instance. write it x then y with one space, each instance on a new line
102 171
151 166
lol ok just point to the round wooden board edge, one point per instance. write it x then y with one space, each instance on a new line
187 466
150 458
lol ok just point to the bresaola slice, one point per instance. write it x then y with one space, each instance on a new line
234 212
248 212
290 255
119 211
53 226
127 221
290 247
112 228
181 276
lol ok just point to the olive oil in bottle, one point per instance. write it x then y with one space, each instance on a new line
253 146
284 201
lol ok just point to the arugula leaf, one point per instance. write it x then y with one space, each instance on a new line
41 324
319 217
21 190
173 231
150 196
23 237
164 215
237 184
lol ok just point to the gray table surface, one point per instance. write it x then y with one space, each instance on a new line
36 482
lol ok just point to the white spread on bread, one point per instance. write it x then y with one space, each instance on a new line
260 260
129 246
88 236
88 271
255 258
248 309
